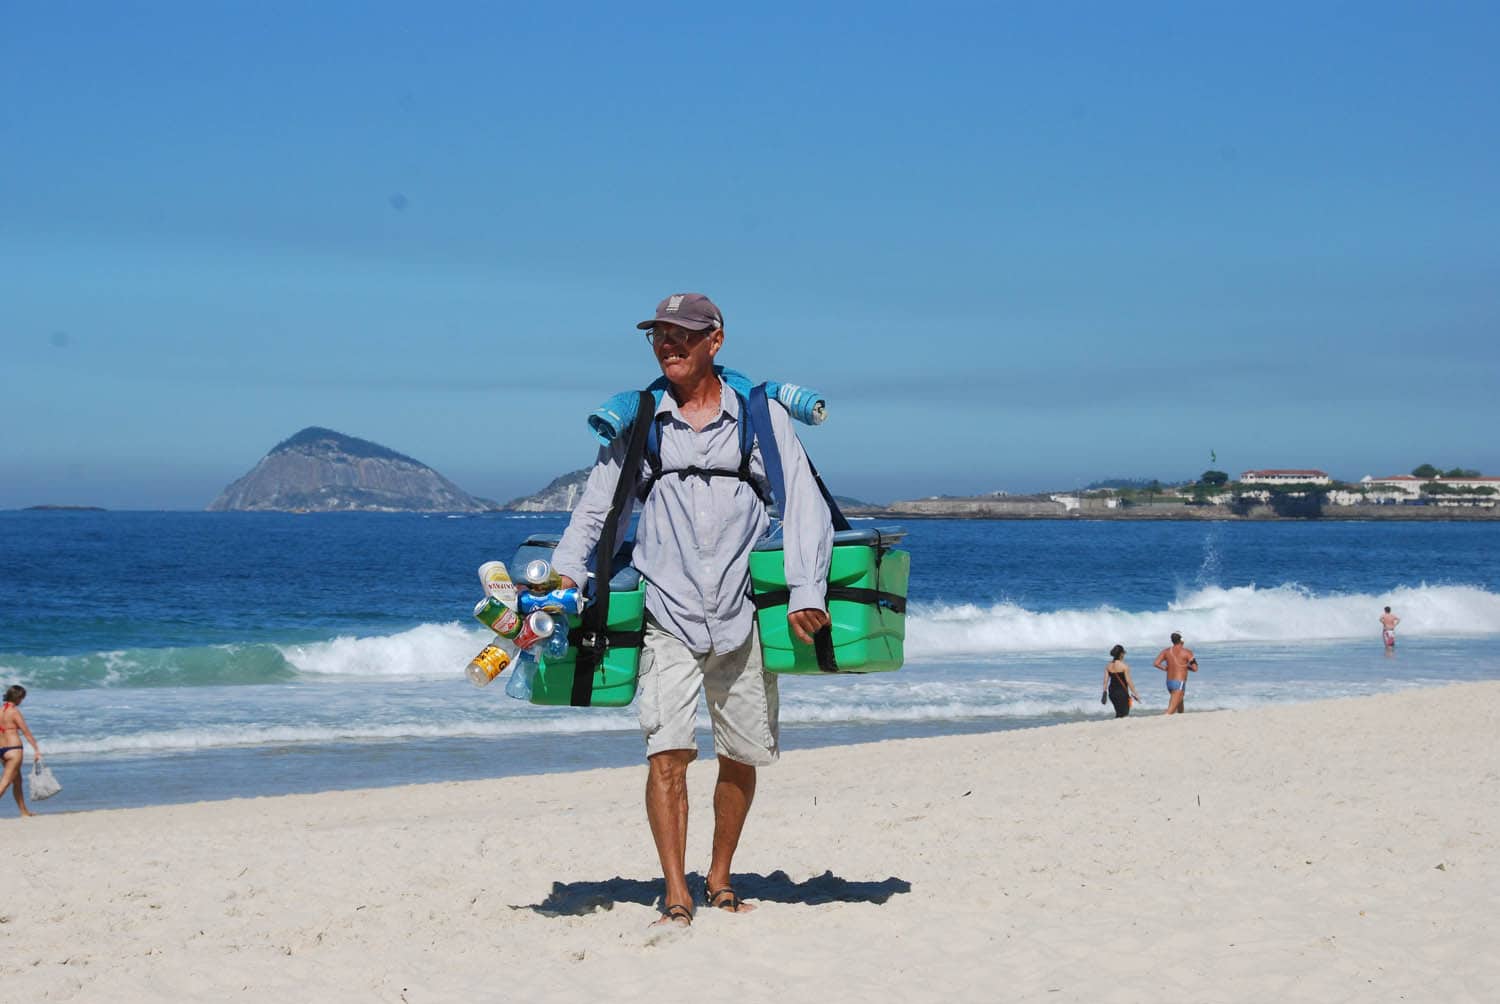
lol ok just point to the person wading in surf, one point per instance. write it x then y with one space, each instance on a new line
1388 622
692 545
1177 662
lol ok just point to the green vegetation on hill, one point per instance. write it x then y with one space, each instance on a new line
353 446
1429 471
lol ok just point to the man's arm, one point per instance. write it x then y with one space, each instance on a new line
807 531
1192 663
1161 660
573 557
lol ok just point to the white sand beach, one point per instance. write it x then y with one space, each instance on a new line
1335 851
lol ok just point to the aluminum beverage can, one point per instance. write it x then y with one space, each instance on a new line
498 617
488 664
558 601
538 628
497 582
540 575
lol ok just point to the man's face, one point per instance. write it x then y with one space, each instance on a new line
685 356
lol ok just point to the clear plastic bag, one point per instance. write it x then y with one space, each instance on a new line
43 784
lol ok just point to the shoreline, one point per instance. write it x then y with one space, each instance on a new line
1326 850
1018 508
983 509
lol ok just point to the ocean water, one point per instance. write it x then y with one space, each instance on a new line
184 656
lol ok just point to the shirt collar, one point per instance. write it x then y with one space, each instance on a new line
729 403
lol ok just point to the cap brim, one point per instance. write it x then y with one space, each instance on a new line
648 325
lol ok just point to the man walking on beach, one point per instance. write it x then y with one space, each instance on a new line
1176 662
697 524
1388 622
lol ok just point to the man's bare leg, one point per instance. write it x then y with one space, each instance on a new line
667 812
1174 702
733 794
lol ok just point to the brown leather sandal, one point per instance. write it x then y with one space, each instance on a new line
677 912
723 899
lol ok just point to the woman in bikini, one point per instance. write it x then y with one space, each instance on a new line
12 728
1117 680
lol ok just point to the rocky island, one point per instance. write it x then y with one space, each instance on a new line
560 495
319 470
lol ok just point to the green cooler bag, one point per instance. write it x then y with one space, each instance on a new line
615 679
866 602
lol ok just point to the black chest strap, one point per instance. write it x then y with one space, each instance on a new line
741 473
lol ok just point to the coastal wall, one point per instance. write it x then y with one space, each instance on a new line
980 508
1043 508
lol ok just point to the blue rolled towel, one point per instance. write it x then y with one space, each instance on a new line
615 415
805 404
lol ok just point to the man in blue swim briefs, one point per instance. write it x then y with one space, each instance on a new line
1177 662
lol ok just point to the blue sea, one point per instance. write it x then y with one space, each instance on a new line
175 656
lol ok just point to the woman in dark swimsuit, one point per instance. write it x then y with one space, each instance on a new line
12 728
1117 679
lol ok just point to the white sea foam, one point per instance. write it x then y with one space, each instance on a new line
229 735
913 701
425 651
1245 614
1248 617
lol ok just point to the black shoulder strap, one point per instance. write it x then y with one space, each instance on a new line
593 640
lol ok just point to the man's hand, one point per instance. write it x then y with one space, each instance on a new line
804 623
567 583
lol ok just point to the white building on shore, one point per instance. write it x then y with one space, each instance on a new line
1407 486
1278 476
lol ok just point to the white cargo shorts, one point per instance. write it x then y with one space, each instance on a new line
742 703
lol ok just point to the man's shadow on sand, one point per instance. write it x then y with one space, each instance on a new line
572 899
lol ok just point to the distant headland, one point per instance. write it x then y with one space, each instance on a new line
319 470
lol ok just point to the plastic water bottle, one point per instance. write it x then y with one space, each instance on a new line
540 576
538 630
491 661
556 646
558 601
522 677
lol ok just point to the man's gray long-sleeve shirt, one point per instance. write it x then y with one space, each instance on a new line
695 534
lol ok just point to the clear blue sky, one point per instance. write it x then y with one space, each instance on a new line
1020 246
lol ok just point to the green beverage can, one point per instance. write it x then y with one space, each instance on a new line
498 617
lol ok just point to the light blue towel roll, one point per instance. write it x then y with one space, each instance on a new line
615 415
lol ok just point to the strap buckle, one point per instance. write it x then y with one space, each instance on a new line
592 641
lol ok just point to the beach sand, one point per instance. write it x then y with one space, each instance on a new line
1335 851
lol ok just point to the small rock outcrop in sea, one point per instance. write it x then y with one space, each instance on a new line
561 495
319 470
